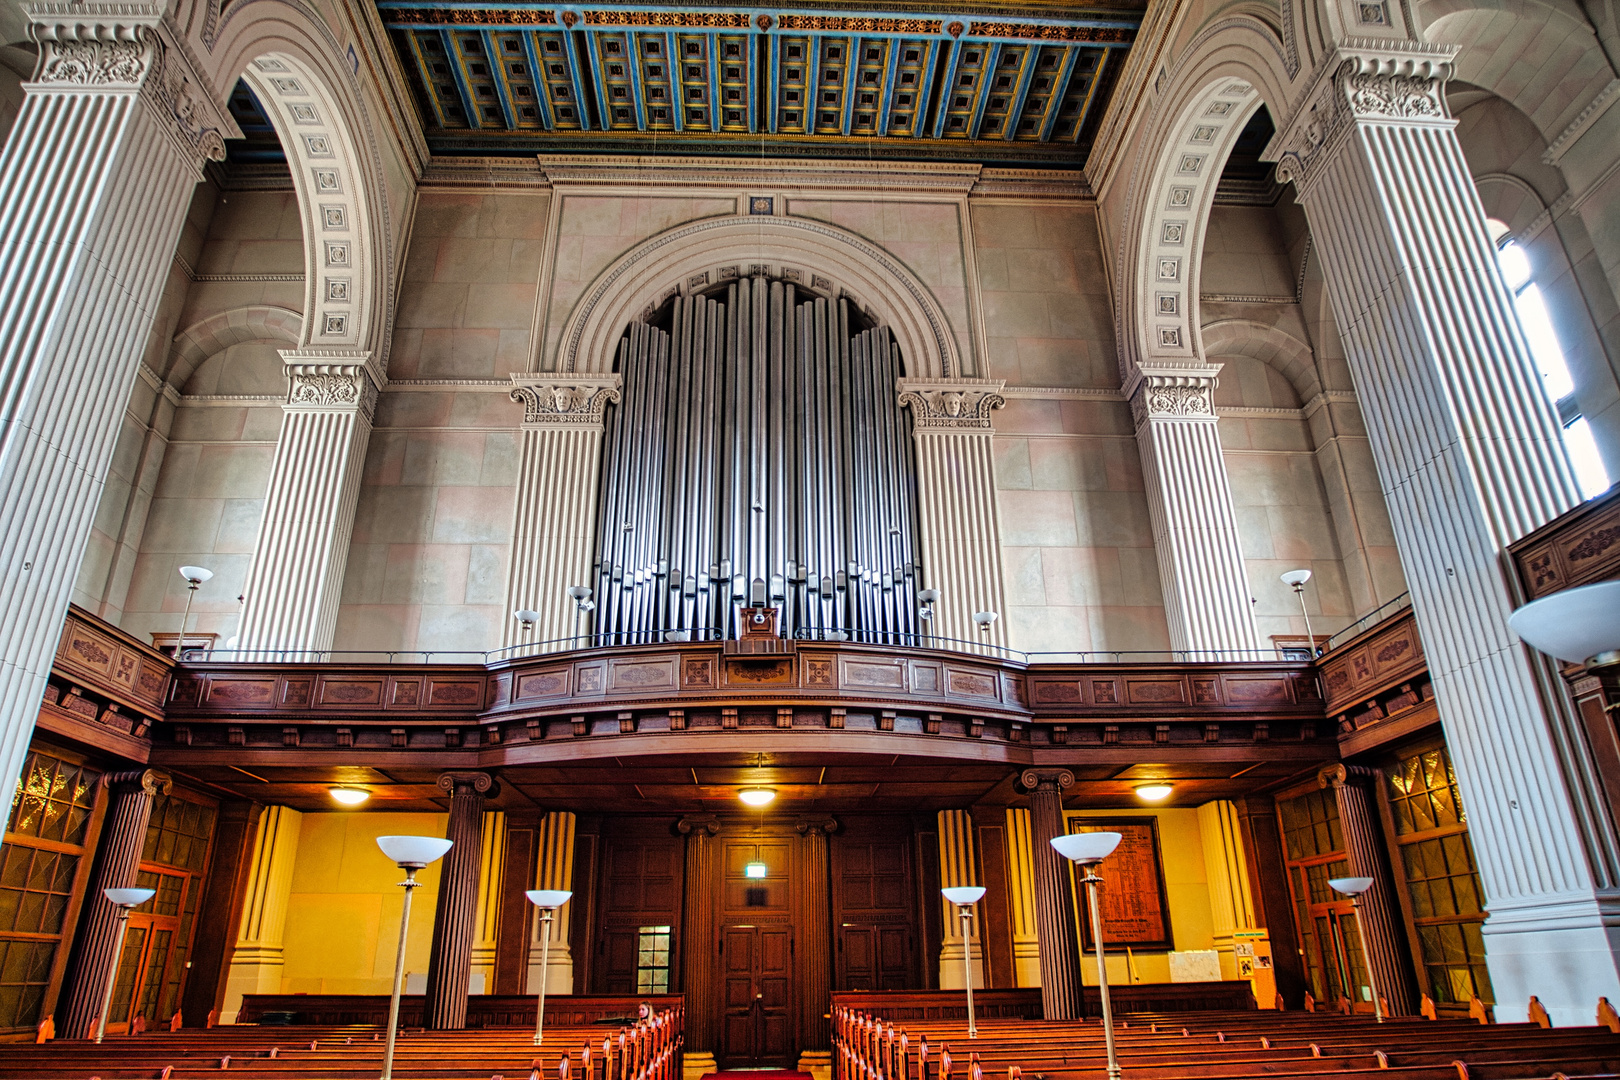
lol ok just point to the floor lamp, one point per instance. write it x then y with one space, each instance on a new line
195 576
548 901
964 897
1087 850
126 900
1353 887
410 853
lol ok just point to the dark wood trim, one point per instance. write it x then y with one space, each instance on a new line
483 1010
1575 548
995 922
512 925
219 910
1268 890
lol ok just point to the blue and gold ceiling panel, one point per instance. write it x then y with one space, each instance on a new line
992 82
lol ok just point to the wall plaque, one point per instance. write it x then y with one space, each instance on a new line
1135 911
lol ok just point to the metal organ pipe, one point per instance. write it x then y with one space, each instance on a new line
758 454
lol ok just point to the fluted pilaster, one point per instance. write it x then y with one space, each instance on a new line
554 871
118 859
1054 895
257 962
1021 889
1470 457
296 580
491 881
956 504
1230 905
1354 788
957 866
95 178
558 479
455 921
815 931
699 958
1206 588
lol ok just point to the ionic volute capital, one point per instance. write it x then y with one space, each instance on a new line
465 784
556 400
951 405
146 781
1046 779
706 824
817 826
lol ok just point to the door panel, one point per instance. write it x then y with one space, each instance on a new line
757 981
874 957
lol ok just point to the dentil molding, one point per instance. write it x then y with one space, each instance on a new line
123 46
551 401
1363 80
945 405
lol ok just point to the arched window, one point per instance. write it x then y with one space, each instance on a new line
1549 356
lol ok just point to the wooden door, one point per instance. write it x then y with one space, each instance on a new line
874 957
756 980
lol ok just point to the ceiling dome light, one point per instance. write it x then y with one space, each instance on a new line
349 796
1154 792
757 796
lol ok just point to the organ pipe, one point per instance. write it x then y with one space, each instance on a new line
758 457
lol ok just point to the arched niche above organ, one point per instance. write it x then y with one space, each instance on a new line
832 261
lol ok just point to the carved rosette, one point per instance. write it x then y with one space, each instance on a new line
951 405
316 382
1370 81
129 45
551 401
1173 397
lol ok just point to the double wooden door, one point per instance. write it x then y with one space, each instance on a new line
757 972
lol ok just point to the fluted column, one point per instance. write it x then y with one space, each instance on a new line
957 866
1054 895
1230 905
558 480
1206 587
257 962
296 580
1021 887
492 863
956 504
95 179
1354 788
815 937
699 957
118 859
455 920
1470 457
554 871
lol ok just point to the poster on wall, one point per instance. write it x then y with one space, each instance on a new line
1135 911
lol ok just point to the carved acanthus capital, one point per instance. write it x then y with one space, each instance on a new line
564 400
1363 80
951 404
127 45
330 379
1180 395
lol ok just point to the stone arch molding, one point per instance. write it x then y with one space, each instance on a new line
194 345
1288 355
827 259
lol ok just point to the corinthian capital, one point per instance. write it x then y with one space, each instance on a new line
121 45
1173 395
951 404
1363 80
330 379
564 400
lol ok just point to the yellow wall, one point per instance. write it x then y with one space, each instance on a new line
1186 886
343 914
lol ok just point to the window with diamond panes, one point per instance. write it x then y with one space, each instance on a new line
652 960
39 864
1437 861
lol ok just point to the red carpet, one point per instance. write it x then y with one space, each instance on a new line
757 1074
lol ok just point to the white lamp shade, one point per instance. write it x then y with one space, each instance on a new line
985 618
1087 847
548 898
964 894
129 897
1351 886
414 851
198 574
1573 625
1296 577
526 615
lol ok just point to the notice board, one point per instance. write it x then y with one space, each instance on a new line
1135 910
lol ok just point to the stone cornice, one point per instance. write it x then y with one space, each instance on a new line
951 405
1581 124
599 170
551 401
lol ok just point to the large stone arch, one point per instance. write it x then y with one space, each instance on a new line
213 335
1282 351
824 258
294 64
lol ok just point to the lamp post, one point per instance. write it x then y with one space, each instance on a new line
1296 579
1087 850
927 598
195 576
581 595
126 899
410 854
1353 887
964 897
526 618
548 901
